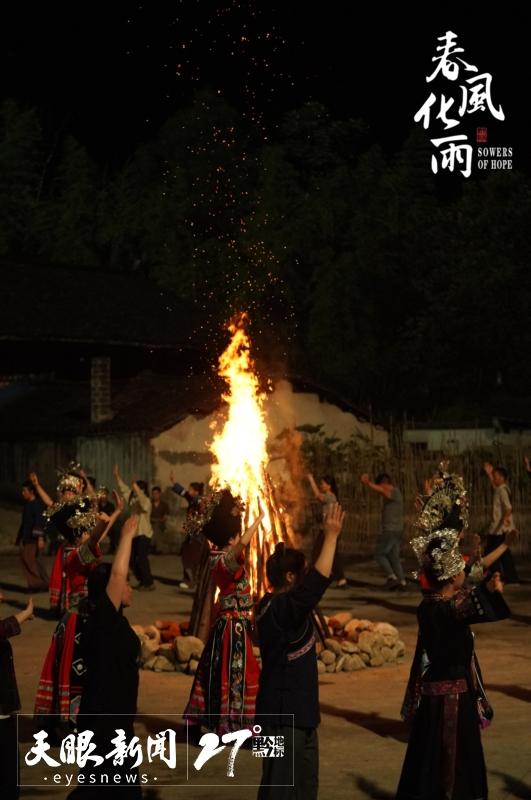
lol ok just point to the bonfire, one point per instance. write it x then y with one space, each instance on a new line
240 452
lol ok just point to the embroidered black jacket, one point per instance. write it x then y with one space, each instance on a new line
288 680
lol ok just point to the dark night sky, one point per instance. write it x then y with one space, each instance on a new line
111 72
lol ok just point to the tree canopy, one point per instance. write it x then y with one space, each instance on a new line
409 291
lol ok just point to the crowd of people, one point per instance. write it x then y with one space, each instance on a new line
91 667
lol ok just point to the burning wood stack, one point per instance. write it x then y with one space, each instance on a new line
240 453
241 458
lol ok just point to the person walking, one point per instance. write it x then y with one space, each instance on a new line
387 551
502 522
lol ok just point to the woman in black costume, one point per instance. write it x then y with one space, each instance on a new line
445 700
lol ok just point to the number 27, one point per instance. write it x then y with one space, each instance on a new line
210 741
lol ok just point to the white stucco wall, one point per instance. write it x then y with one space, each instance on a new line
288 409
179 447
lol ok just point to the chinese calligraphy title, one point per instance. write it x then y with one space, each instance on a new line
474 95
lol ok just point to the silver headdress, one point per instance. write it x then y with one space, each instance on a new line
70 479
447 504
195 523
445 560
73 517
443 516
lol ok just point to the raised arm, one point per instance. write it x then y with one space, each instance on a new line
45 497
89 489
26 613
106 522
315 489
489 470
484 603
231 557
384 489
125 491
10 626
333 523
291 608
494 555
176 486
143 499
120 565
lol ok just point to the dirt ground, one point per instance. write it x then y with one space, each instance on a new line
362 740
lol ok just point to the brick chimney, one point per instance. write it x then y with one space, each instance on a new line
100 390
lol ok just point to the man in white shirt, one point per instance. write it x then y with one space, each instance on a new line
501 522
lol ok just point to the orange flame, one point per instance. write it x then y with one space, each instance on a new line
241 450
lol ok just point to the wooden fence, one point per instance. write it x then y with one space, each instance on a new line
408 469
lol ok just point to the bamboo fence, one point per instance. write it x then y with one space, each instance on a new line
408 468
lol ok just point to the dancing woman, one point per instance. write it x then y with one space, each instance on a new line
111 652
61 682
194 548
445 700
224 690
70 489
137 498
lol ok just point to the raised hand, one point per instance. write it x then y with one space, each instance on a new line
511 537
333 521
253 527
130 526
119 503
26 613
495 584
